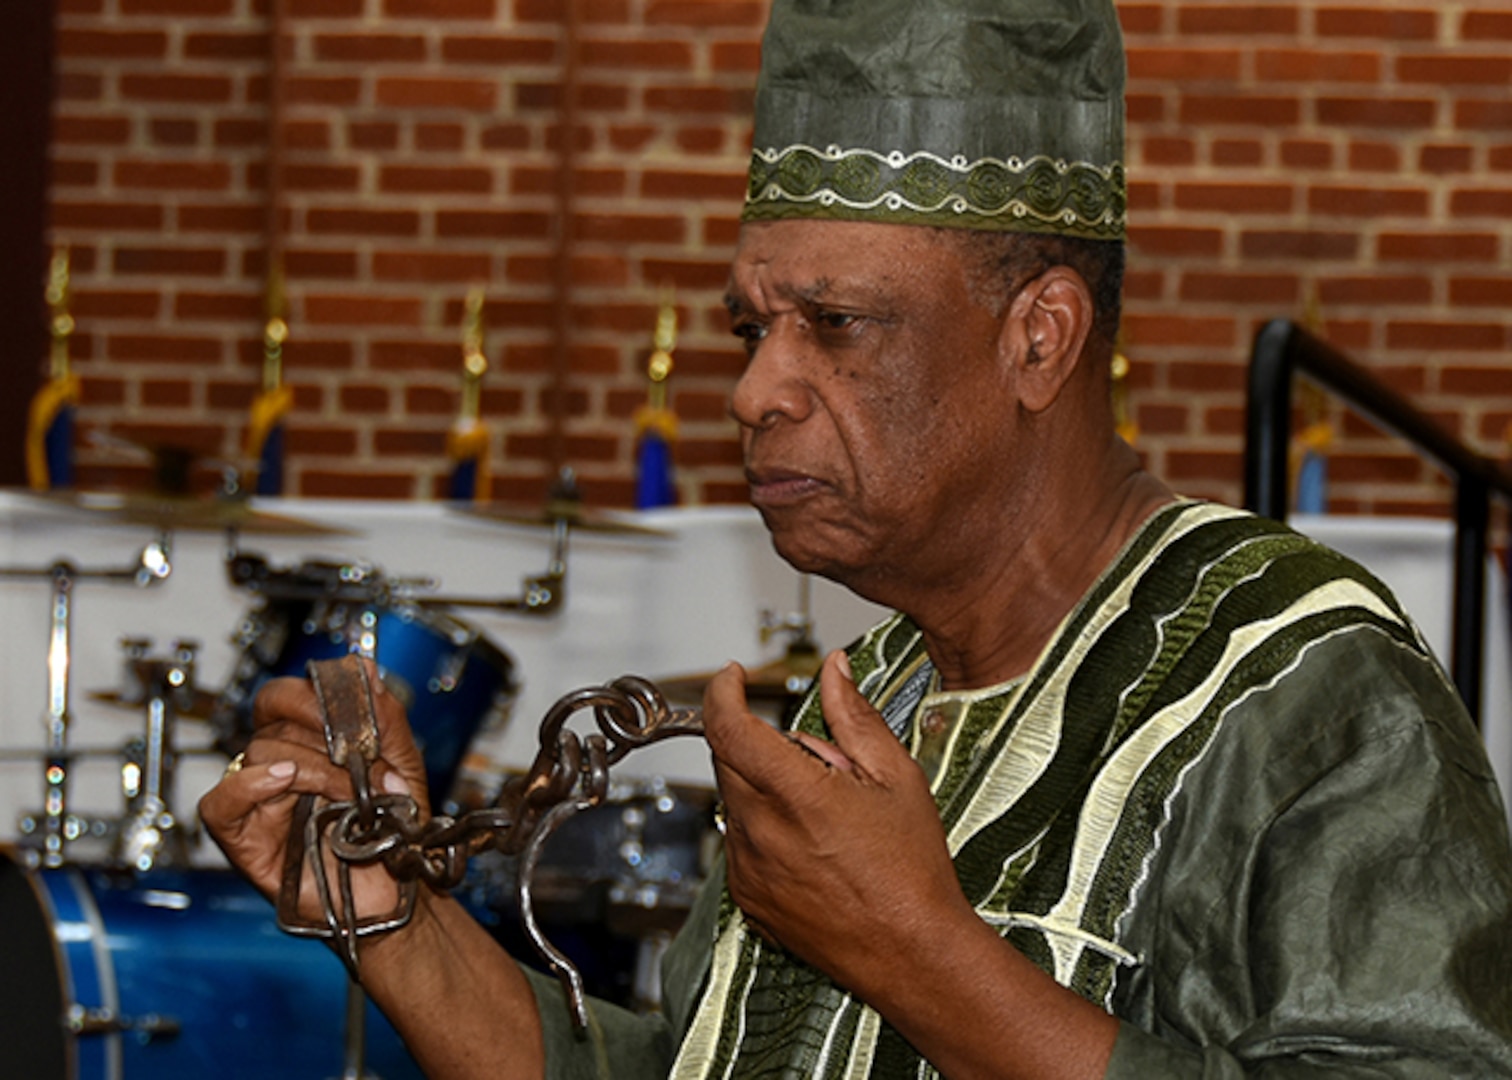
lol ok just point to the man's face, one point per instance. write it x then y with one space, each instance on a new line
876 408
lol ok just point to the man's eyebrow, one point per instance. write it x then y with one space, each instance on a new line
812 294
737 304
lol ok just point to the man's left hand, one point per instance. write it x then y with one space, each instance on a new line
834 850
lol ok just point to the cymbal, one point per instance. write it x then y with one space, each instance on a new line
781 681
79 753
188 514
201 703
574 514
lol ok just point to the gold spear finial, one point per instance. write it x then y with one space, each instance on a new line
474 360
62 323
664 340
275 329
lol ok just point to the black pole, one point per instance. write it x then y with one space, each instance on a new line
26 80
1281 349
1267 421
1472 515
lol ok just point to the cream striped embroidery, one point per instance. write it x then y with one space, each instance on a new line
865 1044
1032 745
1110 949
697 1052
1110 792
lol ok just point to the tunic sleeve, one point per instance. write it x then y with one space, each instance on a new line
1333 894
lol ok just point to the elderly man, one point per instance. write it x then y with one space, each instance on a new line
1131 786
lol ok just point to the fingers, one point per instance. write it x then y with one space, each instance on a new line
861 737
747 746
238 794
273 767
291 701
287 712
287 708
826 752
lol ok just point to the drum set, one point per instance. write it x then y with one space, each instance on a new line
126 960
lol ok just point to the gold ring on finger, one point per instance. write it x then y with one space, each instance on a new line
235 764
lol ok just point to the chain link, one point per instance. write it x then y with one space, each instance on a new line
570 773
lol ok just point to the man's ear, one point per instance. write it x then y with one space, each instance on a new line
1047 326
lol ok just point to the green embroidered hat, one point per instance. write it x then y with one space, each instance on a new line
978 114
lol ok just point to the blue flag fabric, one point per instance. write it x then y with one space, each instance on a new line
1312 484
467 447
653 471
270 462
265 438
463 484
50 435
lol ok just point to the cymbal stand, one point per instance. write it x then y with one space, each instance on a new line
798 625
58 827
151 835
543 594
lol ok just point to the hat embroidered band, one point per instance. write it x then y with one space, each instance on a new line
1036 194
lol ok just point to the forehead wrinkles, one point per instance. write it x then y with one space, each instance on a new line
817 264
761 284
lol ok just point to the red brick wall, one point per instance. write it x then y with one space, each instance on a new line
1359 151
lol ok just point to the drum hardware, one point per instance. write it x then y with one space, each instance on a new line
563 509
801 660
632 864
83 1021
154 564
130 750
569 774
451 679
612 887
73 827
604 522
544 593
781 682
150 833
193 703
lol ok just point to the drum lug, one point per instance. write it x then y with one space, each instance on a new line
450 667
83 1021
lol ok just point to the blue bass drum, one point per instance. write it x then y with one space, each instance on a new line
169 975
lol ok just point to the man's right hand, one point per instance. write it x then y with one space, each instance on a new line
457 999
249 813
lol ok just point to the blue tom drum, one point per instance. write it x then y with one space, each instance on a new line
453 682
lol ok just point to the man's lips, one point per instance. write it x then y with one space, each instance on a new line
781 487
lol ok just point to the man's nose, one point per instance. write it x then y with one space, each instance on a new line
774 385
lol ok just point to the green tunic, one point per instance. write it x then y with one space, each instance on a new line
1235 802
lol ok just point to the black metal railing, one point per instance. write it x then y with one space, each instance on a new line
1282 349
